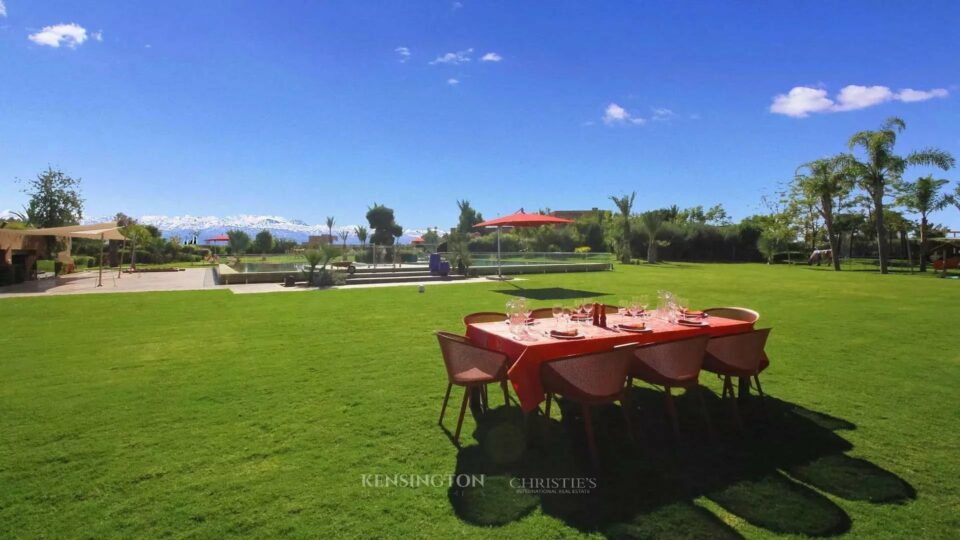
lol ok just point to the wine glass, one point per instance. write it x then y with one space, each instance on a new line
624 307
557 314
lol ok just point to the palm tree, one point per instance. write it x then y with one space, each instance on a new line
361 233
330 223
344 234
314 257
923 197
652 223
625 205
827 182
882 169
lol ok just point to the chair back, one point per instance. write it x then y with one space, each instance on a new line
742 351
680 359
594 375
460 355
542 313
484 316
735 313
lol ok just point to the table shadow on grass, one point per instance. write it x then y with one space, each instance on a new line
770 475
550 293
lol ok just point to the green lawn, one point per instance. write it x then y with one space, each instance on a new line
205 414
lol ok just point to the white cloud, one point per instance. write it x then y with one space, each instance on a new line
453 82
98 35
660 114
801 101
909 95
3 9
457 5
403 53
491 57
855 97
72 35
454 58
615 114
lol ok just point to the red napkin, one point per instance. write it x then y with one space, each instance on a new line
564 333
634 325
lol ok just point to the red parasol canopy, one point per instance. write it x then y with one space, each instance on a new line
523 219
221 238
417 240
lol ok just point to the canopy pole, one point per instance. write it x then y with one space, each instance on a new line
100 276
499 275
120 265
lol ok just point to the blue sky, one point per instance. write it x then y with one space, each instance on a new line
306 109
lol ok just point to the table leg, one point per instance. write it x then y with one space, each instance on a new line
476 403
744 388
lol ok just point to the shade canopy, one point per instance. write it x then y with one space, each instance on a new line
417 240
523 219
221 238
96 231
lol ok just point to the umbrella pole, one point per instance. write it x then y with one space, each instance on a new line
499 275
100 276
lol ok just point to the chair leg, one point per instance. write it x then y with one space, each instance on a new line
506 394
547 408
734 410
463 410
756 379
591 443
671 410
445 399
483 398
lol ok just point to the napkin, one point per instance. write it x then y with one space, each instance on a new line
564 333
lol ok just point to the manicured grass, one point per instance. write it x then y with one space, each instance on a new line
207 414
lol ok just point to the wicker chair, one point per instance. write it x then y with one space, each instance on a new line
737 355
542 313
675 364
484 316
471 367
590 379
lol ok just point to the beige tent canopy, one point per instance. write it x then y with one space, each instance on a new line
97 231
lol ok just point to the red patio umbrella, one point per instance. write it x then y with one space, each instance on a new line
221 238
520 219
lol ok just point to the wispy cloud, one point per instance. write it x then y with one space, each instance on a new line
615 114
802 101
456 5
98 35
403 53
491 57
72 35
3 9
661 114
454 58
453 82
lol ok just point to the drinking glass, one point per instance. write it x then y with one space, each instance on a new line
557 314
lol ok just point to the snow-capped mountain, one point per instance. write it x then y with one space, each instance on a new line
209 226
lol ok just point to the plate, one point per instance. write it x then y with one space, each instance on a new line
634 330
578 336
693 323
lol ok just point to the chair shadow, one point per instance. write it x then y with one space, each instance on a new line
551 293
771 474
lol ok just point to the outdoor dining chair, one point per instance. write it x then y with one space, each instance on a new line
484 316
589 380
745 315
473 368
736 355
674 364
542 313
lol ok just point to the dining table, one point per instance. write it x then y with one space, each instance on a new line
527 352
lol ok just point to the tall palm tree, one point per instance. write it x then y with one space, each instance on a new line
361 233
924 197
882 170
827 182
330 223
652 223
625 205
344 234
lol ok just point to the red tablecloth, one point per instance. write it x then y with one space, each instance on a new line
527 355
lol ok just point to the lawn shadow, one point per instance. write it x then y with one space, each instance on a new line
551 293
646 487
